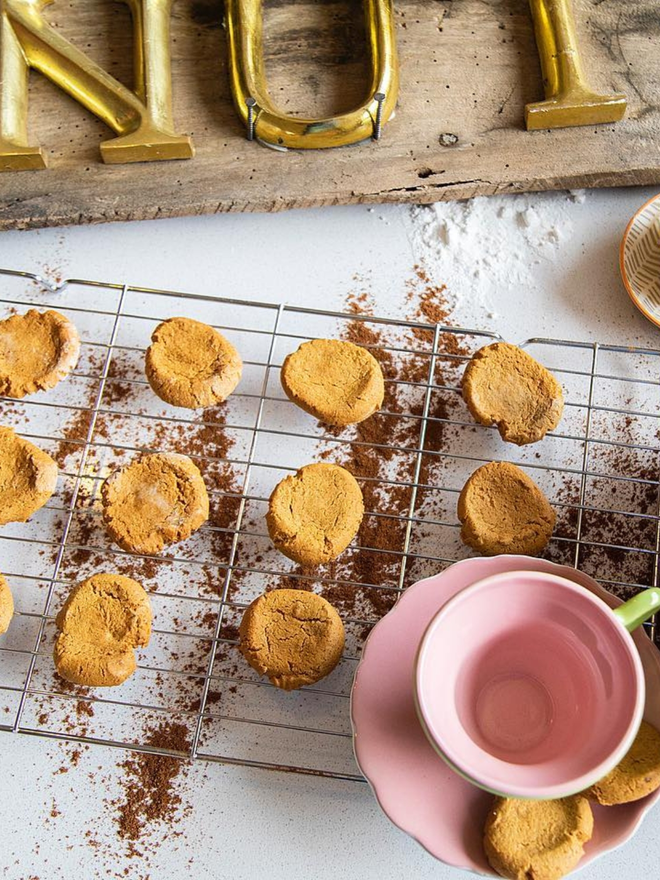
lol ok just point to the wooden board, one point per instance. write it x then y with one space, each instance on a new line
467 70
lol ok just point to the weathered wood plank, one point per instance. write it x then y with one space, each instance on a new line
467 70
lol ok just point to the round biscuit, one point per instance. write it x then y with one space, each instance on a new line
190 364
157 500
543 840
314 514
37 350
338 382
502 510
504 386
294 637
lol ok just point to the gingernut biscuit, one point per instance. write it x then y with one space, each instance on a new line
28 477
292 636
502 510
37 350
637 775
101 623
543 840
505 386
190 364
159 499
338 382
6 605
314 514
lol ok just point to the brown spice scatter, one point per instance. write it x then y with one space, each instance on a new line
149 794
212 697
230 631
74 436
84 707
382 451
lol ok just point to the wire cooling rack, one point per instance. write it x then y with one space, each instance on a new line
193 695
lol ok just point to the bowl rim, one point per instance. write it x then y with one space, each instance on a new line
558 790
622 263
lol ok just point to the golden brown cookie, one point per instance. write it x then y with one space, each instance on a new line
505 386
101 623
314 514
190 364
537 840
637 775
502 510
6 605
292 636
338 382
155 501
37 350
28 477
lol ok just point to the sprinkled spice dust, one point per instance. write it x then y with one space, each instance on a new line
84 707
149 781
75 434
380 469
149 791
384 454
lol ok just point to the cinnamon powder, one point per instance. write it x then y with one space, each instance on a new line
149 792
382 451
372 573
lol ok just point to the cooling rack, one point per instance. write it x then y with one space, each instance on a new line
193 696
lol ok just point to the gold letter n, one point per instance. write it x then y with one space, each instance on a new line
142 119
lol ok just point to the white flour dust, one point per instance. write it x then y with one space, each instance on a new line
482 247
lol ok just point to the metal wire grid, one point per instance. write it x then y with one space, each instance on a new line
611 411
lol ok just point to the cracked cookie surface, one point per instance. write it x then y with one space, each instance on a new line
338 382
636 776
292 636
158 500
537 840
6 605
28 477
192 365
37 350
314 514
504 386
101 623
502 510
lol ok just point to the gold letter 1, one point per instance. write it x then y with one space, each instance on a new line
142 119
568 98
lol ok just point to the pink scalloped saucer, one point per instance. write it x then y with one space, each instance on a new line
414 787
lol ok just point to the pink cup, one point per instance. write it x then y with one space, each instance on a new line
529 686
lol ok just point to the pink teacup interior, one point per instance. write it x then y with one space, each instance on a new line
527 684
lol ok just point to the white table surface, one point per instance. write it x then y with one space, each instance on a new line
245 823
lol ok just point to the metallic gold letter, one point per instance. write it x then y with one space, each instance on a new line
143 120
265 122
569 100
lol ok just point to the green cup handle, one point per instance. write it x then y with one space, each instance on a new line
638 609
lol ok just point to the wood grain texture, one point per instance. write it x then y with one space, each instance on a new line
467 70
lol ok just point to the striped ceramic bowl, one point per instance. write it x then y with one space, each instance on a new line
639 259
